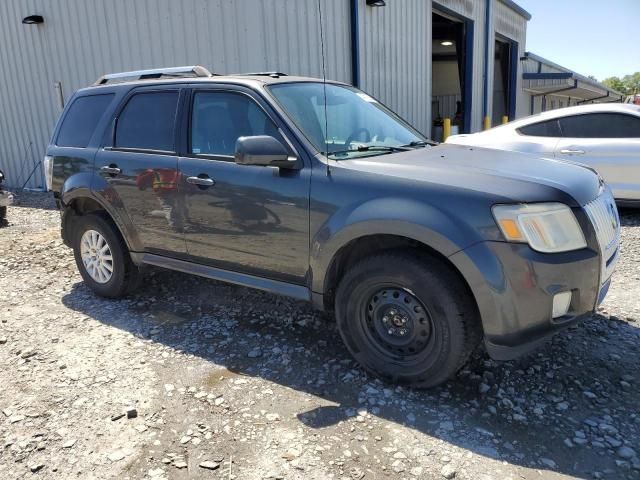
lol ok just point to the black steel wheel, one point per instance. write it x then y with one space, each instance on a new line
407 320
397 322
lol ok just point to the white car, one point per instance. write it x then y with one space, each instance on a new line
605 137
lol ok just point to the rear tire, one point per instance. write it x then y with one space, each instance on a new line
103 258
409 320
3 213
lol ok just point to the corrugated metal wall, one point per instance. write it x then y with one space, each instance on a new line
82 39
512 25
395 57
27 106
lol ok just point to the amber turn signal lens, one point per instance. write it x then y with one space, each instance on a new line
511 230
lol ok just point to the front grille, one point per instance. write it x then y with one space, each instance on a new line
604 216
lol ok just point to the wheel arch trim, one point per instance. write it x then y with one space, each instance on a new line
324 254
124 226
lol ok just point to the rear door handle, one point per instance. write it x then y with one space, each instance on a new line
201 181
572 152
111 170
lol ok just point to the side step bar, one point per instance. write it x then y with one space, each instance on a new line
273 286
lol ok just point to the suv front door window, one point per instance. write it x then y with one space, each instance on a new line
250 218
218 119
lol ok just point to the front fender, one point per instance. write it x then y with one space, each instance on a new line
412 219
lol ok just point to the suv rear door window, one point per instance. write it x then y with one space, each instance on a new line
601 125
219 118
147 122
82 119
549 128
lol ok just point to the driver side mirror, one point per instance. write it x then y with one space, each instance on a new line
263 150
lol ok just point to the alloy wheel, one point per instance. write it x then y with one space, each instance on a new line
96 256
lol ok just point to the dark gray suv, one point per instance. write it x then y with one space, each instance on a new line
317 191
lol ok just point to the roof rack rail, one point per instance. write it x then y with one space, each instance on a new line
188 71
263 74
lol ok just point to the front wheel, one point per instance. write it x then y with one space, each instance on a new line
407 319
102 257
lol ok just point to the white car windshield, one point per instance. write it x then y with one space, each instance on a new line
355 124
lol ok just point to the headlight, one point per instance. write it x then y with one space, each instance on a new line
47 166
546 227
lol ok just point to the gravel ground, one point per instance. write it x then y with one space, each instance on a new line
191 378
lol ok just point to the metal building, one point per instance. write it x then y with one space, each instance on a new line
550 86
426 59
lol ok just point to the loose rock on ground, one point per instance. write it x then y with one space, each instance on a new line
209 380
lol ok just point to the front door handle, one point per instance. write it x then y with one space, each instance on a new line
572 152
201 181
111 170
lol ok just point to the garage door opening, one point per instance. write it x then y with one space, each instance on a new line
451 73
504 80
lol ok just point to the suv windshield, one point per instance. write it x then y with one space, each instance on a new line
355 125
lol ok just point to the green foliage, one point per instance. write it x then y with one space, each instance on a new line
629 84
633 82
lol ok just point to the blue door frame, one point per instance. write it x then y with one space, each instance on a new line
512 84
468 74
355 43
467 88
513 78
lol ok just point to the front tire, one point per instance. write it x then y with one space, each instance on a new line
408 319
102 257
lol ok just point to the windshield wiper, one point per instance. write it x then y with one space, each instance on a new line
372 148
420 143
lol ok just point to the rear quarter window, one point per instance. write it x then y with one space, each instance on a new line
550 128
81 120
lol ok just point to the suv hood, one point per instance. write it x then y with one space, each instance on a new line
516 177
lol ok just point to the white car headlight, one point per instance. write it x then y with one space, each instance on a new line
546 227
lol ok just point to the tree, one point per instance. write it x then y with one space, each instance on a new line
632 83
629 84
616 84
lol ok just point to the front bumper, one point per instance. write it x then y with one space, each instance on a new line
514 285
6 198
514 288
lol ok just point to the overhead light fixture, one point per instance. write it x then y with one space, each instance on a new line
33 20
446 43
376 3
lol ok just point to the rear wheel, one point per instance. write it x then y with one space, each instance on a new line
102 257
3 213
407 320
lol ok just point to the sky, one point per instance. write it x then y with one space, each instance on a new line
591 37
